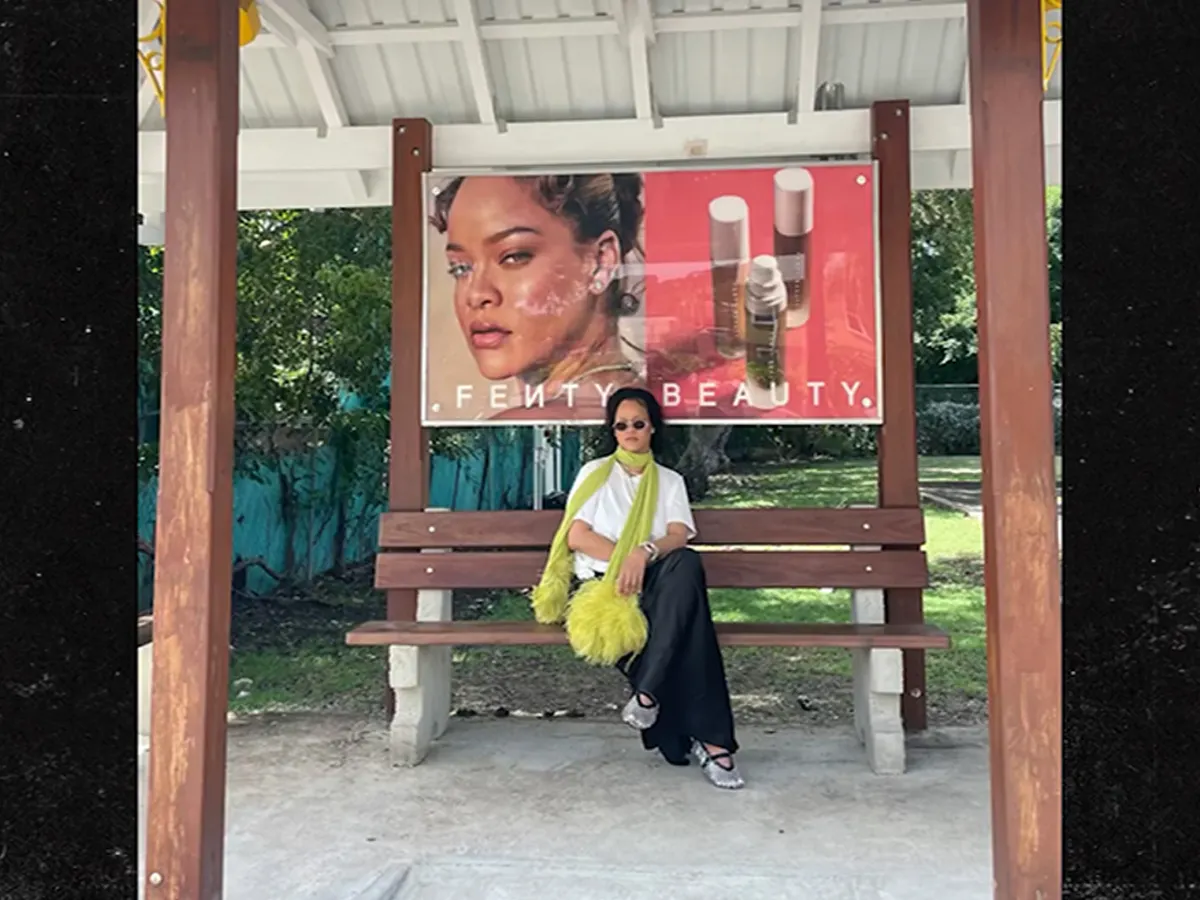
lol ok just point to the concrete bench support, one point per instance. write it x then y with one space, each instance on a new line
420 677
878 687
145 666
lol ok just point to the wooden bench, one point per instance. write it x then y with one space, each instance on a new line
436 552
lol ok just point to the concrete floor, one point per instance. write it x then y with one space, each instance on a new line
545 809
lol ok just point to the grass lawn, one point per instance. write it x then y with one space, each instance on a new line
954 544
289 655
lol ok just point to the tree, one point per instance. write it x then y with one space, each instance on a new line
943 279
313 358
1054 250
1054 254
702 457
945 338
313 352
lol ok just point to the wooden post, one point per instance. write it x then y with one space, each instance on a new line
898 436
1021 566
408 465
193 543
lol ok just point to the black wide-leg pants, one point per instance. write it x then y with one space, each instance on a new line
681 665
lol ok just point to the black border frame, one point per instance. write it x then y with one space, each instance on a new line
1131 543
68 354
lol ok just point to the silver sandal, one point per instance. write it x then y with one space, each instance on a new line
638 716
729 779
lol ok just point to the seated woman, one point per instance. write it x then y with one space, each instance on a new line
643 601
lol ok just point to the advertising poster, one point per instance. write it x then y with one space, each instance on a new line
735 295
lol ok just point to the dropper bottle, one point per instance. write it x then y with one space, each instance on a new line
766 313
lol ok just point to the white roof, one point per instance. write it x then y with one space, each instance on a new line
583 82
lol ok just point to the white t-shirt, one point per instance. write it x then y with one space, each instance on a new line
607 510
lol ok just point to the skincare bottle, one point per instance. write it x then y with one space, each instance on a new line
793 227
766 312
729 254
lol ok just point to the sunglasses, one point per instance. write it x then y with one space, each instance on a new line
636 425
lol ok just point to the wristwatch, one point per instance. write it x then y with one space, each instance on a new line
651 550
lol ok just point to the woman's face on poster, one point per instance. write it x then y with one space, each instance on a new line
525 291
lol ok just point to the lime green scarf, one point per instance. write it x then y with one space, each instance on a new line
602 625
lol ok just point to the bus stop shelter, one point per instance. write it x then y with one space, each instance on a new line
302 117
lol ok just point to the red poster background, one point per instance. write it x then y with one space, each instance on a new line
836 348
665 337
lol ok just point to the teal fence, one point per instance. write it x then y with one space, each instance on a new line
305 535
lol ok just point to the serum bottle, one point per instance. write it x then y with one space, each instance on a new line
729 255
766 313
793 227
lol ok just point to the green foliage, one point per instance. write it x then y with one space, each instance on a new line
314 320
313 352
314 301
1054 251
943 279
458 443
945 338
946 428
790 443
1056 351
150 285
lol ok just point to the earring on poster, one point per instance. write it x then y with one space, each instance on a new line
601 277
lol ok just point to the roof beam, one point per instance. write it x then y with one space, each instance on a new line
608 25
964 92
303 24
332 104
467 14
295 22
810 52
637 23
319 190
290 152
325 86
278 34
680 23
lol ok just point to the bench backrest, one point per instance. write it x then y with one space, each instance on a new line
747 548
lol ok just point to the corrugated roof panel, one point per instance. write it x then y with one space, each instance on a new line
561 78
276 91
921 61
541 78
328 11
380 82
546 78
732 71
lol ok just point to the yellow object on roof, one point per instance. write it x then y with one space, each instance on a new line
153 58
1051 40
249 24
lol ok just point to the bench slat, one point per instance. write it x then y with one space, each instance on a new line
731 568
465 530
731 634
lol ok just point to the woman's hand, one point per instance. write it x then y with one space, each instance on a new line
633 572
